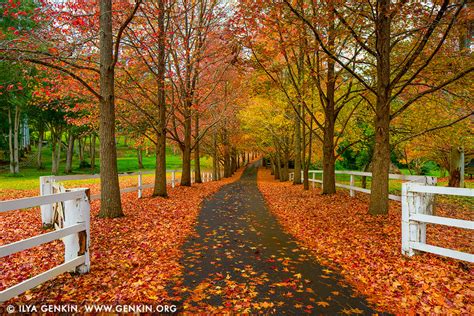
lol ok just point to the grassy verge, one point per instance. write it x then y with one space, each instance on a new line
127 161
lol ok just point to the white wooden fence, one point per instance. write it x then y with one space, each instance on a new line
418 200
353 188
417 209
73 228
46 186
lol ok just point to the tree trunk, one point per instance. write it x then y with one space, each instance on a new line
81 149
197 159
92 151
227 158
381 156
140 157
307 161
278 169
10 142
456 167
297 178
186 173
56 150
39 159
90 145
69 153
110 203
329 176
233 161
159 188
215 158
16 155
285 171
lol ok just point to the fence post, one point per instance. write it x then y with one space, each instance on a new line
314 179
352 183
427 202
413 203
46 188
140 185
173 178
406 250
75 212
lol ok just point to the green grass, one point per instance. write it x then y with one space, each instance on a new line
28 178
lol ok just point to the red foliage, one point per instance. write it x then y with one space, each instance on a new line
133 258
366 249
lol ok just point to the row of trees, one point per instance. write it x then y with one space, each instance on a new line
164 70
375 74
378 75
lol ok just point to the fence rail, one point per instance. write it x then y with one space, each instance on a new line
73 229
417 209
47 184
353 188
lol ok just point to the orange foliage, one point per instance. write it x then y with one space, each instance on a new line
133 258
367 250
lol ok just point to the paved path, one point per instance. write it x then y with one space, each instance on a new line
241 260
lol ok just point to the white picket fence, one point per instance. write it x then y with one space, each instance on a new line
47 182
418 200
353 188
417 209
73 229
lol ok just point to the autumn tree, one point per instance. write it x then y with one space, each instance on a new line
323 97
398 52
198 47
72 50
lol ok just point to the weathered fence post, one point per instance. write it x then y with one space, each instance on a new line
140 192
352 183
414 203
78 212
314 179
173 178
406 250
46 188
426 206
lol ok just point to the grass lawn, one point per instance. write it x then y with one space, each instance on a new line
127 161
